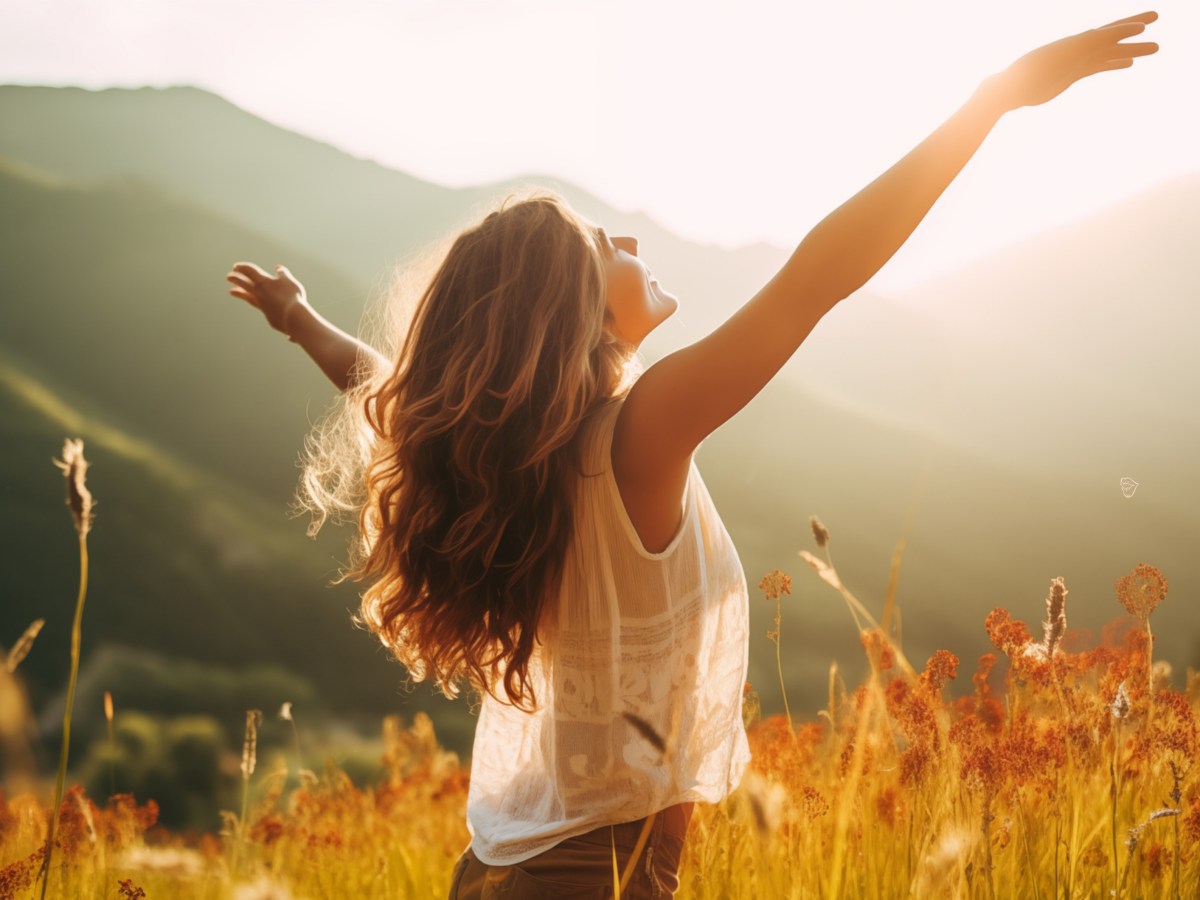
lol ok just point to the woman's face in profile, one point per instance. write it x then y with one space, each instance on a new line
635 301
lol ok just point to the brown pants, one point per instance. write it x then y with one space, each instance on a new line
581 867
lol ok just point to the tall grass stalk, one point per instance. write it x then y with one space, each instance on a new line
112 744
79 500
285 713
616 871
849 797
1176 798
249 762
858 612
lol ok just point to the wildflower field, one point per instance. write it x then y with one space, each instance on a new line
1061 774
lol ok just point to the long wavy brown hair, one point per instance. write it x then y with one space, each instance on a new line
467 451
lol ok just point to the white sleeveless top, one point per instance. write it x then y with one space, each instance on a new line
663 636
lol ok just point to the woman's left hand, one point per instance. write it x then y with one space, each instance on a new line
1044 73
280 296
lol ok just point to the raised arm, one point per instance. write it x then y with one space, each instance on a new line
283 302
685 396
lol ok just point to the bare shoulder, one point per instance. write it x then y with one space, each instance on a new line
650 477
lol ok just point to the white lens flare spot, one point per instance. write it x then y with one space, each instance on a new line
1128 486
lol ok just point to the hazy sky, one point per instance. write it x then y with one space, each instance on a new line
727 123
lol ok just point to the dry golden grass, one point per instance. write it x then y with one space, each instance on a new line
1074 780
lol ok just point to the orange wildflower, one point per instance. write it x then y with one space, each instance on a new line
1009 636
888 806
268 829
1191 820
1157 859
812 803
775 584
982 671
1175 727
1142 590
18 876
940 668
916 763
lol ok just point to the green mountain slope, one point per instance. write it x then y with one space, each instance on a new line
1065 350
115 294
183 563
352 214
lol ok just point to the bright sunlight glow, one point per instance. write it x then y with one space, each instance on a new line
728 124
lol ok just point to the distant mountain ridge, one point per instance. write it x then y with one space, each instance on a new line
352 214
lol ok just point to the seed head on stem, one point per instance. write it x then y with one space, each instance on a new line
820 532
79 499
250 744
1055 625
21 648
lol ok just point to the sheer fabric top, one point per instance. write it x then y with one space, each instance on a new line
659 637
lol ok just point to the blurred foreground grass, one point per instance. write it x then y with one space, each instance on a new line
1077 779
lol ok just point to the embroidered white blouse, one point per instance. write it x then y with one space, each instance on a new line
663 636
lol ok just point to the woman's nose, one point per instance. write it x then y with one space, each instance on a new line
626 243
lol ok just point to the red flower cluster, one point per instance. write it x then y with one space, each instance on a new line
1009 636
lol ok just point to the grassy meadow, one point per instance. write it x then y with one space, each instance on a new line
1063 772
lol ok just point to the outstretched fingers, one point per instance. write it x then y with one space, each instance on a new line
248 278
1121 56
1110 53
245 278
1113 34
1141 18
251 271
1144 48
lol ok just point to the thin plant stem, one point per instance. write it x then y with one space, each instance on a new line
1057 842
1115 790
1176 797
1149 676
249 761
241 829
643 835
112 756
76 639
779 665
612 835
296 736
848 793
1175 864
1037 895
987 843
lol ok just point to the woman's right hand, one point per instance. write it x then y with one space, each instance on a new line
278 296
1042 74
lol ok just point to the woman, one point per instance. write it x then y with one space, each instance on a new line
532 524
